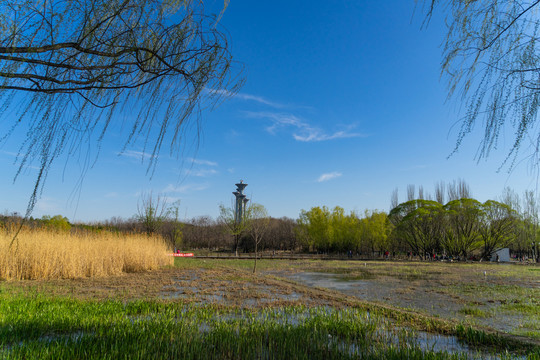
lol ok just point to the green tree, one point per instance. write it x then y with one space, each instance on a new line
375 232
498 226
314 228
57 223
257 223
492 65
69 67
152 212
419 224
531 221
172 227
462 225
234 226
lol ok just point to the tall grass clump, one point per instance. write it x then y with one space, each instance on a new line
49 254
37 327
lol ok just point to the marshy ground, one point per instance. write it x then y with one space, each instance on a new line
429 296
503 297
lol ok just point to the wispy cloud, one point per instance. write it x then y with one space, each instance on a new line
203 162
329 176
201 172
317 135
247 97
304 131
185 188
139 155
8 153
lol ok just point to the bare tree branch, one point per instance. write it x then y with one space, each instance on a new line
69 67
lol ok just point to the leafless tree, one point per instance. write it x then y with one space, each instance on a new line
439 192
69 68
458 189
421 192
152 211
281 234
202 226
464 189
511 198
410 192
394 199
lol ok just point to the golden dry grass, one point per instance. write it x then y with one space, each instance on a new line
45 254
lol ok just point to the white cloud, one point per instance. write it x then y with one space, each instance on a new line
139 155
312 134
259 99
203 162
8 153
248 97
304 131
202 172
329 176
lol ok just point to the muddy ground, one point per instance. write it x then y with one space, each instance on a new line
505 298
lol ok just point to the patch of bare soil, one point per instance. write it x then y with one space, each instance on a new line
222 287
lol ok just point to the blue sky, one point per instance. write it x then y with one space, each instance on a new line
343 103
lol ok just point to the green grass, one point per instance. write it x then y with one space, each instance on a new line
35 327
473 311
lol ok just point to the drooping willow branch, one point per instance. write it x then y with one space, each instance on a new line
491 61
70 68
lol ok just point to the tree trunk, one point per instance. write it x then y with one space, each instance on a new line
255 264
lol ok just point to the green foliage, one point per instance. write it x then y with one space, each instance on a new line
420 224
234 227
498 226
33 327
492 66
57 222
152 212
257 222
457 228
151 59
320 229
314 228
375 230
462 227
174 228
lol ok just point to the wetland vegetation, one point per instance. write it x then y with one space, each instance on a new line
77 291
202 308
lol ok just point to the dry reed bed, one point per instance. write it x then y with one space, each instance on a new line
45 254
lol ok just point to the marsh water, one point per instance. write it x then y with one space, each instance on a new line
423 296
396 293
392 291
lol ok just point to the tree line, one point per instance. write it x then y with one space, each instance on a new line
423 226
462 228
